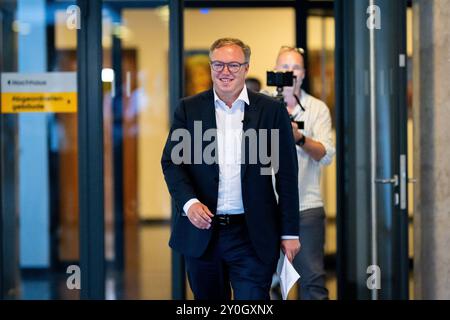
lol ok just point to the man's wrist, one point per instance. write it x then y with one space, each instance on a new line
188 204
301 142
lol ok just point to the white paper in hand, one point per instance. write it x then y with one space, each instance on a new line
288 276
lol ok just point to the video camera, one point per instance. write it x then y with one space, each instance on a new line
282 79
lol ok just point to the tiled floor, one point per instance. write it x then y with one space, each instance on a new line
147 272
148 266
153 266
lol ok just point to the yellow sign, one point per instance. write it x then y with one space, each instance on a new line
39 102
46 92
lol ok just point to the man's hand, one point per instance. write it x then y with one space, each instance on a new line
290 248
297 133
200 216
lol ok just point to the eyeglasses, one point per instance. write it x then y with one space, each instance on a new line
233 66
290 48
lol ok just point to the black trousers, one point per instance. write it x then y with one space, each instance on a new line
229 262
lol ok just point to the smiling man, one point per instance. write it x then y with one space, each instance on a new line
229 225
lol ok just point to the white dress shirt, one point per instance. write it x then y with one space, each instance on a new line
229 138
317 127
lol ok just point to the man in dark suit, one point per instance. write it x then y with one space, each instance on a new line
230 225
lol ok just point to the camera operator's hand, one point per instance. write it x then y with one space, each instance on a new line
297 133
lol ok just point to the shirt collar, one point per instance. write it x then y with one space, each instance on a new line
243 96
304 98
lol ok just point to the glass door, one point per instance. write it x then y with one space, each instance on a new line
372 142
137 55
38 150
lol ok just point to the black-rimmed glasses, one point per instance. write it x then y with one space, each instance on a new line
233 66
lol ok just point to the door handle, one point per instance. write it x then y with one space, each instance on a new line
393 180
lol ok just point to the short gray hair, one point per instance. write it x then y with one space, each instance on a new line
222 42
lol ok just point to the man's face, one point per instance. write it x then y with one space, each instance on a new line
227 83
292 61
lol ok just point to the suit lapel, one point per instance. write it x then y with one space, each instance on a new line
251 120
208 118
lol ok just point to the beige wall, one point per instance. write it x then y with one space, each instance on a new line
264 30
148 32
320 36
320 33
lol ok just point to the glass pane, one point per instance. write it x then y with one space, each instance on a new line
38 149
136 124
320 72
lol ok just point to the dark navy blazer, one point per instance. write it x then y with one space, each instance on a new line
267 219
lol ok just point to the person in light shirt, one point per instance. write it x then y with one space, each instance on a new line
315 149
229 226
